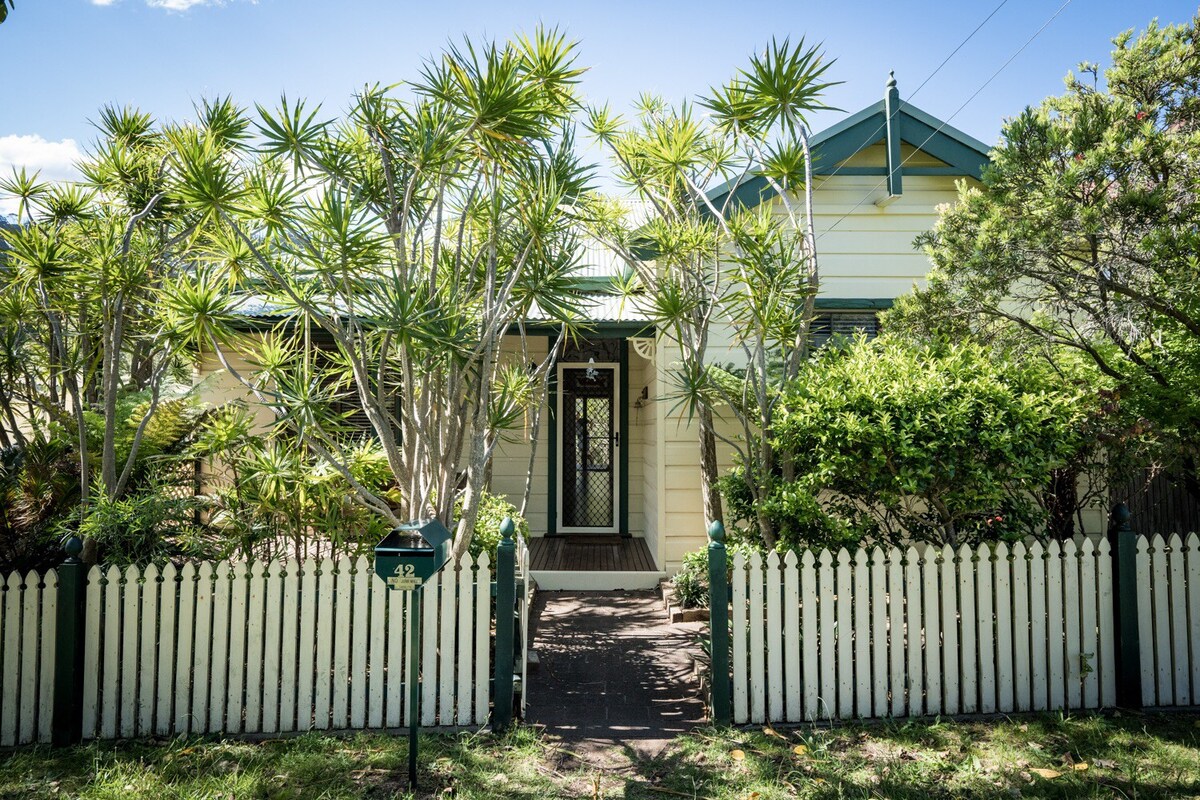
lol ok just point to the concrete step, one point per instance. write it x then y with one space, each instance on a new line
594 581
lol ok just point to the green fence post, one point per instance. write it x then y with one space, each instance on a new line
414 684
66 726
1123 540
718 623
506 592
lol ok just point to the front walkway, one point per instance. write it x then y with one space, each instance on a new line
613 671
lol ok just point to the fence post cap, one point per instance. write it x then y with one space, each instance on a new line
716 531
1121 514
507 528
73 546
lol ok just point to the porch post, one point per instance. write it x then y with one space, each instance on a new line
718 625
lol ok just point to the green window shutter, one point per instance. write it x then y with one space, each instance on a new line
834 326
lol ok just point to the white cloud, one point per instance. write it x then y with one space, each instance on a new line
182 5
170 5
54 160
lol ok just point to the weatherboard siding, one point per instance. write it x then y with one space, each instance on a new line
511 460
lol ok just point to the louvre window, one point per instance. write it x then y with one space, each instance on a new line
842 325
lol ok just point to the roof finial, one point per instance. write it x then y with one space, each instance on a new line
891 83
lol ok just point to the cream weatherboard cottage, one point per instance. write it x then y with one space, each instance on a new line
616 500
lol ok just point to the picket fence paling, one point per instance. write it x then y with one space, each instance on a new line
261 647
1193 583
928 630
28 609
1168 575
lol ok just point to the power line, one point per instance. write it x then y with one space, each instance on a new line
946 122
871 137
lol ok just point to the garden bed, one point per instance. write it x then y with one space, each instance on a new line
676 614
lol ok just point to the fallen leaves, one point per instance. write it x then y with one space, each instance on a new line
800 750
1048 774
737 755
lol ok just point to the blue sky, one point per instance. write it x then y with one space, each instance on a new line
63 59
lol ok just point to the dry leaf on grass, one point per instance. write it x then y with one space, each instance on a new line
1048 774
737 755
800 750
769 731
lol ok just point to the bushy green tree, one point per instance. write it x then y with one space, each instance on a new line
894 441
1084 236
91 344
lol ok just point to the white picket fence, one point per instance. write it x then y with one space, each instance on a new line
28 608
1168 575
272 647
931 631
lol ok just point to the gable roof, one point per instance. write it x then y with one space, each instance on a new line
890 121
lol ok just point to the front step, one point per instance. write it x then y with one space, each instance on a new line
594 581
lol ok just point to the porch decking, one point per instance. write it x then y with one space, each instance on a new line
592 562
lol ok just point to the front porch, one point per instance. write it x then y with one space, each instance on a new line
592 562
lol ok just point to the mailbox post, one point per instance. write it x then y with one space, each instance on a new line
405 559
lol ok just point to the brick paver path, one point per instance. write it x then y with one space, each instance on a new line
613 671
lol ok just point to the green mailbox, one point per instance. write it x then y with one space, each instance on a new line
412 554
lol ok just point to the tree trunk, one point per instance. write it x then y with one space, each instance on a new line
1061 502
709 472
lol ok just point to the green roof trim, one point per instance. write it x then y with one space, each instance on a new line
595 329
964 155
854 303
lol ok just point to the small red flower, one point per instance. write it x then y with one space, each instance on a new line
1141 115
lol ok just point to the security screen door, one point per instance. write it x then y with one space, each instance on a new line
587 447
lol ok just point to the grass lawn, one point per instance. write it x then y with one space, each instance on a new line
1130 756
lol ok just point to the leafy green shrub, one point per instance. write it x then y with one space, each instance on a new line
690 584
155 522
270 494
493 508
39 486
885 440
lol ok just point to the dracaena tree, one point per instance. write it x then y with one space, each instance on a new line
705 261
89 339
411 235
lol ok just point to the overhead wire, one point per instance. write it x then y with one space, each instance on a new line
958 110
871 137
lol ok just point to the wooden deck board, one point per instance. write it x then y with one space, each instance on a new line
590 554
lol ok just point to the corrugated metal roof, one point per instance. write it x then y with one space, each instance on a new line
597 265
597 307
603 307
